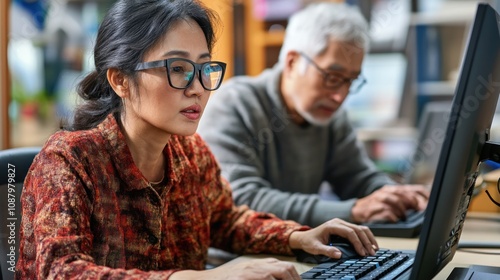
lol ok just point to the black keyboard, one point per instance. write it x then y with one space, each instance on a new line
386 264
407 228
412 216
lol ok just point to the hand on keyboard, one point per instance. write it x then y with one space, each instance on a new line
386 264
410 217
345 247
317 240
390 203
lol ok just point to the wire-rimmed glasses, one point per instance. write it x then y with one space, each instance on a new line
335 81
181 72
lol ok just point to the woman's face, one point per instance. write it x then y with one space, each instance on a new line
157 106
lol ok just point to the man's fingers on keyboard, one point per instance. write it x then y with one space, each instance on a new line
396 205
385 216
419 190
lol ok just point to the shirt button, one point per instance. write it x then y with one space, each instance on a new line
153 239
154 200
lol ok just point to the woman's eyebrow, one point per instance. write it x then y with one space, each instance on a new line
205 55
185 54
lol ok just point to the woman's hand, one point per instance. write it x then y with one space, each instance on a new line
268 268
315 241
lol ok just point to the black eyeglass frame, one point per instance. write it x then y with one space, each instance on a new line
328 77
197 69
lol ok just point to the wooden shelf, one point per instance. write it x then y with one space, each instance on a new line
261 42
274 38
223 49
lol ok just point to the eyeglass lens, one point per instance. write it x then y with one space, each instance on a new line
182 72
336 82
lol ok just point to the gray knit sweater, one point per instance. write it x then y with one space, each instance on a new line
277 166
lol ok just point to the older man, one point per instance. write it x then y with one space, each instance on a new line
281 135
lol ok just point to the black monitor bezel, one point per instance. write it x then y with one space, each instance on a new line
448 188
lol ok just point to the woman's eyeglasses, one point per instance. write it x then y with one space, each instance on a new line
181 72
334 81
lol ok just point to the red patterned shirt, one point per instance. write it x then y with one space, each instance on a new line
89 213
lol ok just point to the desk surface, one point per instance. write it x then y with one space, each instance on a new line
478 227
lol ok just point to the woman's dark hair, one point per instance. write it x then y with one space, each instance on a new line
127 32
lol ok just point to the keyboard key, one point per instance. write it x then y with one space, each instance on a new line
384 265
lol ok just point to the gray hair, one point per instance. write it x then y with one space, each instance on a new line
310 29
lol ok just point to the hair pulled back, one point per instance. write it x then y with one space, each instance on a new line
127 32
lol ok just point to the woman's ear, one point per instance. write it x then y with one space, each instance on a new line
118 82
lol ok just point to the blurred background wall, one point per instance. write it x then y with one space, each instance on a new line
415 57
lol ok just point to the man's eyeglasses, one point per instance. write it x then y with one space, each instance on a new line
334 81
181 72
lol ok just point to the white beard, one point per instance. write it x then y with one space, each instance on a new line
315 121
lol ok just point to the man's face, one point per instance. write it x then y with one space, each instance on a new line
310 93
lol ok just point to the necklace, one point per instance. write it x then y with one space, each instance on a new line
158 182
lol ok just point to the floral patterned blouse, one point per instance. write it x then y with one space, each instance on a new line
89 213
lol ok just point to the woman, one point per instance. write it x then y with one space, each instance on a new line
129 190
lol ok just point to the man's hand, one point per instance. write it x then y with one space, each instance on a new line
390 203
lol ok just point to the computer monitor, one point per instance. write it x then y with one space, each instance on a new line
378 102
465 146
431 134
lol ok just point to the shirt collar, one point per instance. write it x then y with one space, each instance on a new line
128 172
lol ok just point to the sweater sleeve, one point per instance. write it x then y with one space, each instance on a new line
235 133
350 170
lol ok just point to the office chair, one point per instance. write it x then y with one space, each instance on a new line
14 165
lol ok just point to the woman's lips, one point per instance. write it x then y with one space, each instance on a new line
192 112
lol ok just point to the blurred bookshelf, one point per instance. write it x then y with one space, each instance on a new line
440 36
421 41
46 48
